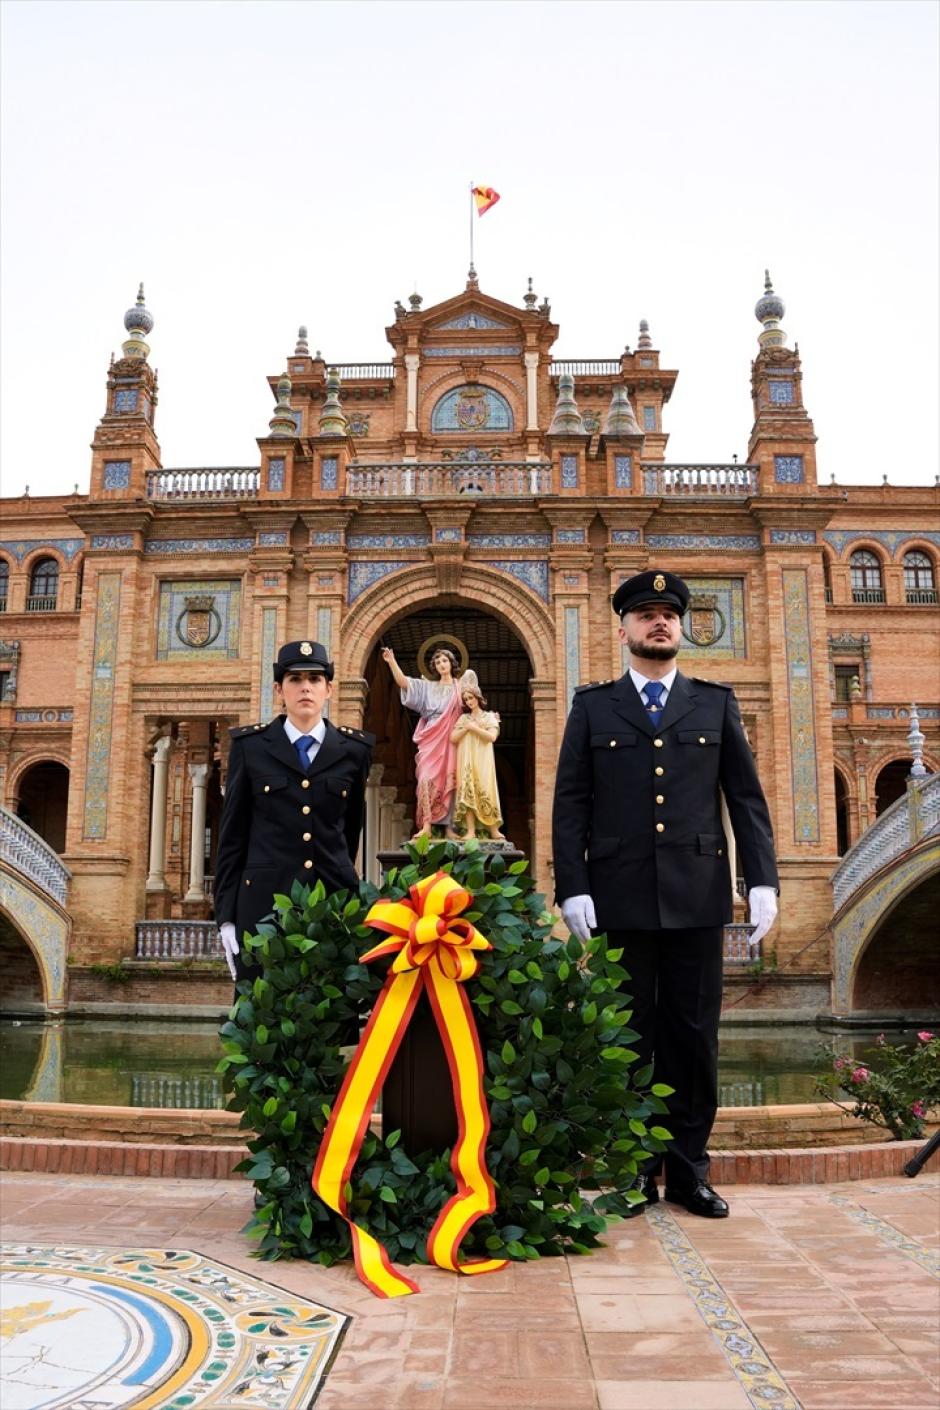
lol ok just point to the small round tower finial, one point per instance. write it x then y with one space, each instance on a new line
768 311
530 298
302 349
644 341
138 319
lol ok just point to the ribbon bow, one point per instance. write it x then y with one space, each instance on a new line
434 950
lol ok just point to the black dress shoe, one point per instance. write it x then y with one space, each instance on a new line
700 1199
647 1186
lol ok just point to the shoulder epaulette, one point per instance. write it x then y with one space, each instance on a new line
591 685
362 735
719 685
239 731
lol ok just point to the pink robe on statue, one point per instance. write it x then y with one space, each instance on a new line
439 705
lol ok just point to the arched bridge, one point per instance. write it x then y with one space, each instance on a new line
898 857
33 896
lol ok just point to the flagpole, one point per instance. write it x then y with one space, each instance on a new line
471 224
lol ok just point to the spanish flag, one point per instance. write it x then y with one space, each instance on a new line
485 198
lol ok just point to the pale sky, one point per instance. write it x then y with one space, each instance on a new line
262 165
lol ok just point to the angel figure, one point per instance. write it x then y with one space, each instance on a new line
439 705
474 734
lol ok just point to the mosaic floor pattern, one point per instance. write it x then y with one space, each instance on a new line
153 1329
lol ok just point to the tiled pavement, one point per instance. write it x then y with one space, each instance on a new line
820 1297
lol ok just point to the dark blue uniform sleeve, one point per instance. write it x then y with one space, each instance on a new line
233 836
747 806
573 805
355 805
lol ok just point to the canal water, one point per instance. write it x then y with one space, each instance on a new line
171 1064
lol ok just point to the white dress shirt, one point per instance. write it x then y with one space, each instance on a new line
318 734
641 683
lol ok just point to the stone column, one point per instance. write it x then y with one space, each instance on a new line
386 800
156 881
411 404
199 773
371 869
531 391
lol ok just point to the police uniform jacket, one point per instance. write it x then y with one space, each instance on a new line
637 814
282 823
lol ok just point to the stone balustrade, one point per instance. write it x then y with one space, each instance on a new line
586 367
25 850
156 1089
915 815
446 479
203 484
736 946
177 940
701 481
366 371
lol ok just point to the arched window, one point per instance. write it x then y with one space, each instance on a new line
43 586
867 585
472 408
4 583
919 583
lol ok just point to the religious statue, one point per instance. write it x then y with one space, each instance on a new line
438 702
474 734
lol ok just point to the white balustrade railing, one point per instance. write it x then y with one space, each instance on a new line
741 1093
25 850
916 814
365 371
586 367
445 479
203 484
736 946
701 481
177 940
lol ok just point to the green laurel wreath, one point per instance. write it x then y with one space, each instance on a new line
570 1120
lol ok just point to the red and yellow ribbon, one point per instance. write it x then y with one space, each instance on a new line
436 950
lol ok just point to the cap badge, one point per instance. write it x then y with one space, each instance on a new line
659 583
306 649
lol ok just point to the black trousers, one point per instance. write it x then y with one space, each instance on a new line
675 983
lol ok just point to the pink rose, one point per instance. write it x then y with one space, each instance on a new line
924 1036
839 1064
880 1040
861 1074
918 1109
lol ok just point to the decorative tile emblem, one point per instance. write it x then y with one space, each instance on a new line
199 623
117 474
329 472
704 623
125 401
781 393
714 624
472 320
200 546
112 542
357 423
272 538
749 543
268 654
176 1330
104 666
649 418
448 535
510 540
325 538
363 575
472 408
569 472
803 536
511 350
354 541
788 469
276 474
592 422
623 472
530 571
802 714
625 536
569 535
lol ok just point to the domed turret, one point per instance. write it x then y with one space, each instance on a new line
768 310
138 321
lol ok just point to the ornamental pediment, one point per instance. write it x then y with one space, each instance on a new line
471 318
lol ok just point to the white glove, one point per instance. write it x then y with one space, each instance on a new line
230 946
763 903
578 914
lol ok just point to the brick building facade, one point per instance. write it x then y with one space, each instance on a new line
473 488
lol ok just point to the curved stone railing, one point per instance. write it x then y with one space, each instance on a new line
27 853
444 479
913 816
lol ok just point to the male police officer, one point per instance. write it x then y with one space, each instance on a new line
293 801
639 852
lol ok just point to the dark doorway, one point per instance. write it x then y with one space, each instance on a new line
898 971
502 664
22 982
842 814
891 784
44 801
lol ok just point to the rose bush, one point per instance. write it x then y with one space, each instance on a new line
895 1088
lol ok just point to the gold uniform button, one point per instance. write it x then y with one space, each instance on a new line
660 798
305 808
657 744
660 827
267 788
308 864
343 794
305 783
247 881
720 852
702 739
613 744
659 771
307 836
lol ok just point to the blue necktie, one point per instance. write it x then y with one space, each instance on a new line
654 695
302 745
